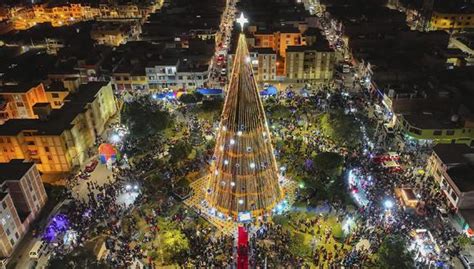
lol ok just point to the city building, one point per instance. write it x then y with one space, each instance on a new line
162 74
465 43
22 197
62 14
264 63
114 33
59 139
310 64
17 100
436 128
452 168
191 76
452 18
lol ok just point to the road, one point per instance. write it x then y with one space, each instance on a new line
217 78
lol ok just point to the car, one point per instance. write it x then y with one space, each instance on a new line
467 260
91 167
35 251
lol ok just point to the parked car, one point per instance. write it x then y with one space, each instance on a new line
467 260
91 166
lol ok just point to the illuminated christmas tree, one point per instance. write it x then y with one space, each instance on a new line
244 175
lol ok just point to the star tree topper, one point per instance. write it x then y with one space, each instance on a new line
242 21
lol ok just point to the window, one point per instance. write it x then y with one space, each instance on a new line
17 235
46 149
50 158
19 104
8 231
437 132
55 95
34 198
12 241
31 143
450 132
4 205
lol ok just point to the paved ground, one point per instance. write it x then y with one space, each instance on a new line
100 175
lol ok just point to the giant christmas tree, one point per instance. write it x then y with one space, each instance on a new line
244 174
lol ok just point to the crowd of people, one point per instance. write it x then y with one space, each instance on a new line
270 244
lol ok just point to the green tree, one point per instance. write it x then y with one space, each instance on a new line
213 104
174 245
393 254
341 127
188 98
145 118
329 164
180 151
299 246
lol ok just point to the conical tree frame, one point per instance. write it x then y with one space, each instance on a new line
244 174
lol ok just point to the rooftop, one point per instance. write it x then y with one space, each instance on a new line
463 177
18 88
59 119
14 170
431 121
262 50
452 153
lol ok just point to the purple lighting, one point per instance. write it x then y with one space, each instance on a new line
58 224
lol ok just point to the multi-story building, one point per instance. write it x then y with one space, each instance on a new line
309 64
162 74
278 40
437 128
452 168
66 14
264 63
115 34
18 100
452 20
191 76
60 139
22 197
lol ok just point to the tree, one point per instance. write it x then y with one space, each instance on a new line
180 151
174 245
341 127
188 98
393 254
212 104
299 246
145 118
329 164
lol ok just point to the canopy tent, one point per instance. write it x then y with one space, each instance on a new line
209 91
271 90
107 152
